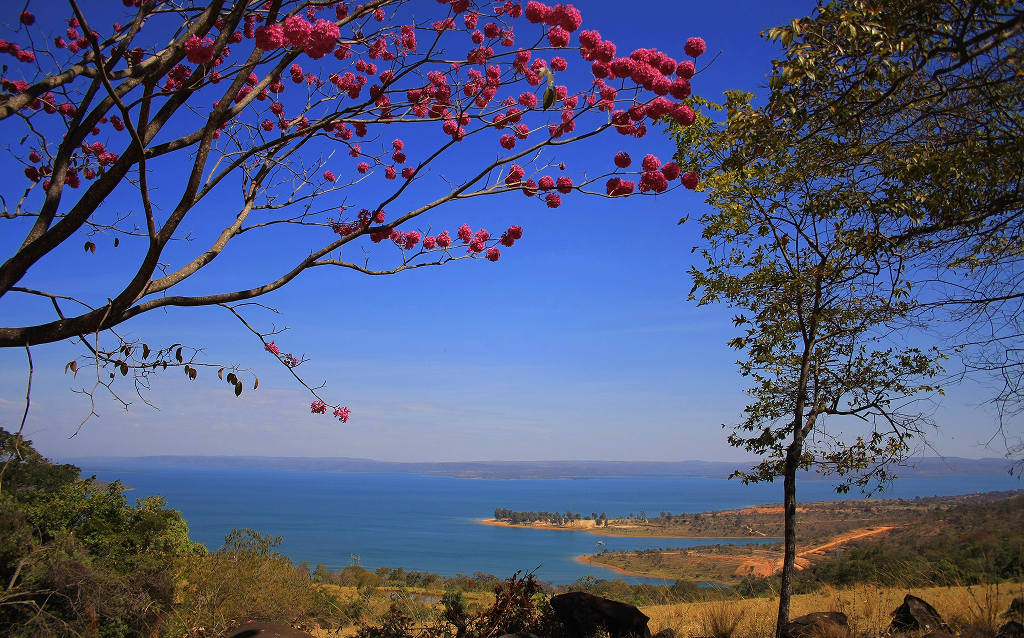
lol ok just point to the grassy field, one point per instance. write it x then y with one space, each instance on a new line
867 608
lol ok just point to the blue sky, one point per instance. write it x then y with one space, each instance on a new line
578 344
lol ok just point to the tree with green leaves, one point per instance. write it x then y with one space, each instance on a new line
926 101
832 384
876 190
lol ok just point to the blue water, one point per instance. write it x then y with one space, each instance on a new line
427 523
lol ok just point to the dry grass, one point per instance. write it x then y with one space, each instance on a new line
868 609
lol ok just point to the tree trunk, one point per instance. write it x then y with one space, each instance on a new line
789 505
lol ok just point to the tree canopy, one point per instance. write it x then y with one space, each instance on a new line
876 190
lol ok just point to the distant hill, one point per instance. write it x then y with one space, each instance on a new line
505 470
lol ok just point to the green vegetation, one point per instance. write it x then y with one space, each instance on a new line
552 518
77 559
966 540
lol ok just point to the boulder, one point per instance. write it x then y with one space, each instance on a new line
819 624
584 614
1012 629
1016 609
917 615
266 630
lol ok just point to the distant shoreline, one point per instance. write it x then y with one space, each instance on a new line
601 532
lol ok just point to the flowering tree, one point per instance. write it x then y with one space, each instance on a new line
302 106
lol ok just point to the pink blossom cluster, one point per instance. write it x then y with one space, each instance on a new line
319 39
287 358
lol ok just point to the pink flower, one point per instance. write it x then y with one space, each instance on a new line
558 37
329 176
270 347
671 170
529 100
653 180
617 187
564 185
691 180
32 173
270 37
199 51
429 242
683 115
408 172
508 142
27 18
536 12
493 254
322 39
622 159
694 47
342 414
318 407
390 172
363 167
465 233
590 39
554 200
529 188
510 236
34 157
546 183
651 163
297 30
680 88
559 64
685 70
444 240
515 175
622 67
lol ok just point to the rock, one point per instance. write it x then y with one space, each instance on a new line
584 614
917 615
266 630
819 624
1016 608
1012 629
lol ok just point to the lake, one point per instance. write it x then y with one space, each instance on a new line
429 523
